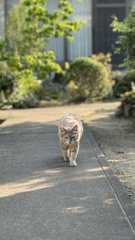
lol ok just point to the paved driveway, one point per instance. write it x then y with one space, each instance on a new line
42 198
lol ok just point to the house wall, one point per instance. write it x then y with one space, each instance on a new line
10 3
64 50
5 7
82 44
56 44
2 19
133 3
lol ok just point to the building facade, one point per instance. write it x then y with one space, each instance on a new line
94 37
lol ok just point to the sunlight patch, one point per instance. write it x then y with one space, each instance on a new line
31 185
75 210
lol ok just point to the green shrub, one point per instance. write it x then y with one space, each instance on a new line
6 78
106 59
3 99
23 100
26 91
29 26
126 43
129 97
6 82
125 83
88 79
127 106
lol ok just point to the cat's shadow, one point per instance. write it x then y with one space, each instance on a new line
56 162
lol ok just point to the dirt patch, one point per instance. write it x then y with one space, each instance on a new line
116 138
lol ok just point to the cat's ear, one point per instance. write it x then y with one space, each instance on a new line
62 129
75 128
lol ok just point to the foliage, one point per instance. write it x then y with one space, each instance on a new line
127 36
106 59
88 79
51 90
6 78
6 82
125 83
29 28
26 91
3 99
23 100
127 106
129 97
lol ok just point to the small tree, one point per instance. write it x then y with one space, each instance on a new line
29 28
127 36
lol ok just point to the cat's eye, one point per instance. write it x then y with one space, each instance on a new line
66 137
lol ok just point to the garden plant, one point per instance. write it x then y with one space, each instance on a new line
88 79
29 26
125 87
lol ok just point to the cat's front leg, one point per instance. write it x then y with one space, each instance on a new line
65 151
73 162
66 155
73 152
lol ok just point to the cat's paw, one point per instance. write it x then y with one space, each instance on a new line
73 164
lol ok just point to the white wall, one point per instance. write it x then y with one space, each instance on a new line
56 44
133 3
2 19
82 45
10 3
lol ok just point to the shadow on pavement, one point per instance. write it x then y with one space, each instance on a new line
31 157
41 197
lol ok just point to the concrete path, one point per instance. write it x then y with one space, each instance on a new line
42 198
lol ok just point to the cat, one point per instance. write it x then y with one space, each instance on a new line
70 133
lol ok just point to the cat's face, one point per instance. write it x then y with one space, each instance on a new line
69 136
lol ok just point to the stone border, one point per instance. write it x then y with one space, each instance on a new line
126 204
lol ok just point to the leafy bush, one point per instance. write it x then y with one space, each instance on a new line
88 79
106 59
126 38
33 26
29 26
23 100
129 97
127 106
51 90
6 78
3 99
125 83
26 91
6 82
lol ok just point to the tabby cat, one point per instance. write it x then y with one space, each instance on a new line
70 133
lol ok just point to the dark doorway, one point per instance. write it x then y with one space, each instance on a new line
103 37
